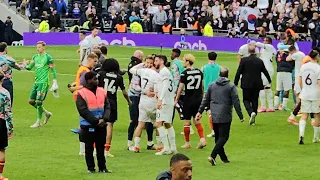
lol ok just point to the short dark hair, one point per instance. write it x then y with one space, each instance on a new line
292 48
269 40
104 50
83 32
212 56
164 58
111 65
3 46
316 49
177 158
313 53
177 51
290 41
90 75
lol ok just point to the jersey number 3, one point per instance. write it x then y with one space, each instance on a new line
109 85
194 82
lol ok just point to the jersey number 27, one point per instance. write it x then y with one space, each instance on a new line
194 82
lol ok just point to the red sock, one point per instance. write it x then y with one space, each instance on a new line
108 146
2 166
200 130
186 131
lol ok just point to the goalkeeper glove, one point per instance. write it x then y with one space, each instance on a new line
54 88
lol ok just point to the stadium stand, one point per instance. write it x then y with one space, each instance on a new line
297 18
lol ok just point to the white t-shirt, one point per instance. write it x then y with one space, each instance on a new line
84 45
266 54
297 57
310 74
243 51
165 87
149 80
93 41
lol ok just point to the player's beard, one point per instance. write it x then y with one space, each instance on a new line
157 66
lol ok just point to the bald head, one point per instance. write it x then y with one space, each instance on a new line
224 72
138 54
252 49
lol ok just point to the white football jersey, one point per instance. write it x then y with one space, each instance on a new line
266 54
165 87
149 80
84 45
310 74
93 41
297 57
243 51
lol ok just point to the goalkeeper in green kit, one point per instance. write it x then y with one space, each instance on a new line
43 63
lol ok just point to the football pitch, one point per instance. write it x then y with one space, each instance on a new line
268 150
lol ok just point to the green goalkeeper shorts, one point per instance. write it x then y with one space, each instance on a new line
39 91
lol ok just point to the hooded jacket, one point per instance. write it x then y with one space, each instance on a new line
221 96
166 175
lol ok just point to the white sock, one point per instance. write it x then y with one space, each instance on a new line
172 138
136 142
212 132
302 127
202 140
0 175
82 147
292 116
38 121
191 128
164 138
150 143
262 97
269 95
158 139
130 143
316 132
285 102
276 101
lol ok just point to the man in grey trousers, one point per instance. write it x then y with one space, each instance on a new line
222 96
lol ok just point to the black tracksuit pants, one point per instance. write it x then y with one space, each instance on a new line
222 131
97 137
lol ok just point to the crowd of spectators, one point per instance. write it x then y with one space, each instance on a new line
298 18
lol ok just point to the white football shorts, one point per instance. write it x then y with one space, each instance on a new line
165 114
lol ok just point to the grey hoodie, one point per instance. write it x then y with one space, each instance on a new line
221 96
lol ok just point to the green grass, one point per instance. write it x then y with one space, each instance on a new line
267 151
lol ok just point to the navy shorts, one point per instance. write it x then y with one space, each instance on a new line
3 135
7 84
134 108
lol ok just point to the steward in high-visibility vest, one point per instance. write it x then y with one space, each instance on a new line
136 27
121 27
166 28
78 84
94 110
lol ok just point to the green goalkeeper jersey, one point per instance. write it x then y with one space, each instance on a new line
43 64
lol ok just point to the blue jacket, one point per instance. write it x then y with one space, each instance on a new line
61 7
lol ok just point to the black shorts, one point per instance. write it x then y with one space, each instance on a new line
114 111
3 135
190 108
179 108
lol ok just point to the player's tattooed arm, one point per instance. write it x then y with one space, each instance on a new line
180 89
8 113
